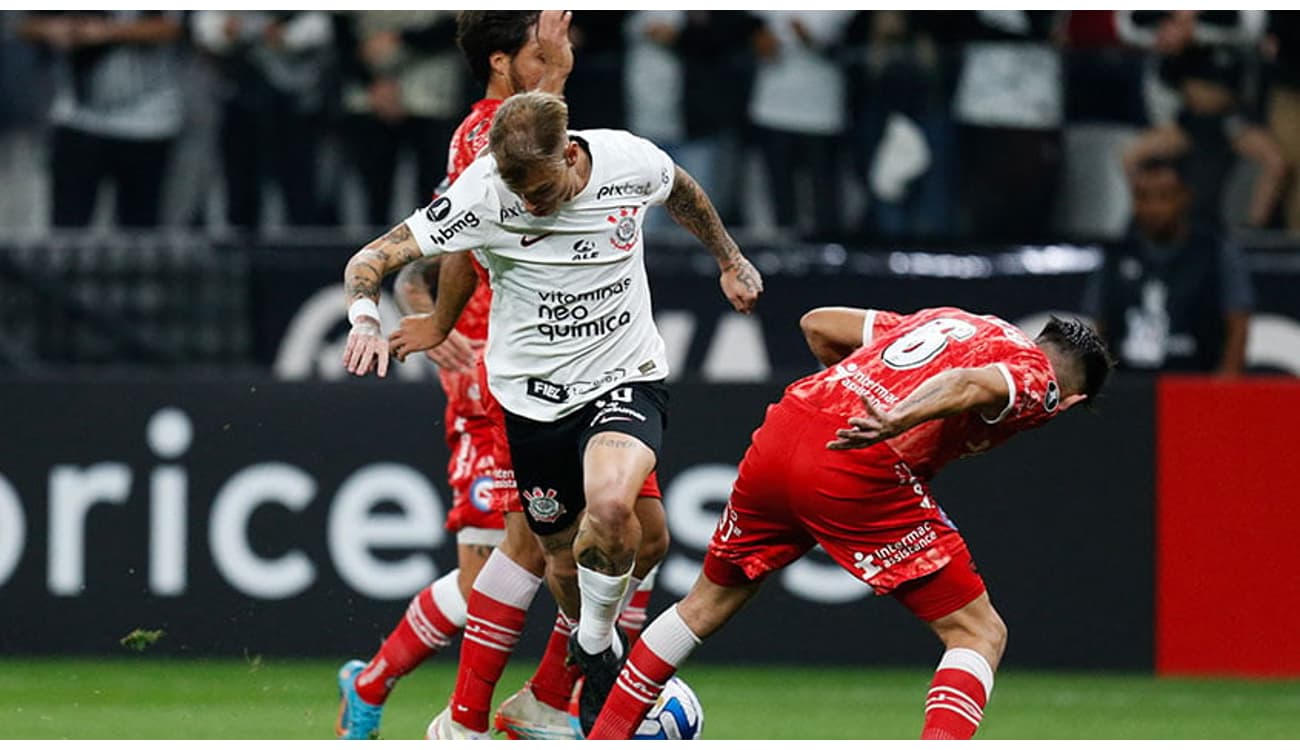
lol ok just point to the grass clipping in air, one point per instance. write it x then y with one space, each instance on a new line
140 639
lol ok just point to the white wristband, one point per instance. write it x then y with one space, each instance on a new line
364 307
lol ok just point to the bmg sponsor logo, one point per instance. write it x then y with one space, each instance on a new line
466 220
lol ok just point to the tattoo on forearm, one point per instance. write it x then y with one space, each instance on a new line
397 236
382 256
691 207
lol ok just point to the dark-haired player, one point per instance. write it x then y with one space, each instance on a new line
845 460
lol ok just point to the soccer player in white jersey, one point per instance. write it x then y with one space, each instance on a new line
573 354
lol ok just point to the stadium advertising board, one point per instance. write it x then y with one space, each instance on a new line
297 518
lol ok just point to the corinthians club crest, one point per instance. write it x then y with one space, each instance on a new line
542 505
624 228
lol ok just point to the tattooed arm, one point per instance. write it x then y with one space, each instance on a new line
983 389
690 207
361 279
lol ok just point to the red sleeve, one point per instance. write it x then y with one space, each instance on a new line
1034 393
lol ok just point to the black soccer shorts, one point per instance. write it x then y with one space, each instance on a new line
548 455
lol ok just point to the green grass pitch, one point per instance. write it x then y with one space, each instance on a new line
152 698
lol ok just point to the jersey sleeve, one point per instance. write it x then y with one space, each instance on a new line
457 220
1034 394
660 171
876 323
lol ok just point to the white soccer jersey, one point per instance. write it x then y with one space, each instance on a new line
571 305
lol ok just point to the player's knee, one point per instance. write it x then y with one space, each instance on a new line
654 546
608 508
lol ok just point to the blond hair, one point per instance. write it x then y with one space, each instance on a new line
530 130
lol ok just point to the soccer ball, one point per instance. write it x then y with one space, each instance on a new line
677 715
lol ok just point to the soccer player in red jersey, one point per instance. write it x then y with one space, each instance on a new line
845 460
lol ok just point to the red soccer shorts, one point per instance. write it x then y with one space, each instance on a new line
864 507
471 472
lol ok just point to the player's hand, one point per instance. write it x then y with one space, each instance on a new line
416 333
556 49
366 344
454 354
742 283
865 431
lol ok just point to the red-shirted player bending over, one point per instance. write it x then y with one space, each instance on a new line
917 391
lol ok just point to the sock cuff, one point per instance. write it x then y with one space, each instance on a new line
505 581
969 660
633 586
648 583
670 638
599 587
448 599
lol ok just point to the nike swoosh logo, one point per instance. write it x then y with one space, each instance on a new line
530 241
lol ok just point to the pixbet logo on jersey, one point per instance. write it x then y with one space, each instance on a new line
624 189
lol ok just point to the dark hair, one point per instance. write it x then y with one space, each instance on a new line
479 33
1081 341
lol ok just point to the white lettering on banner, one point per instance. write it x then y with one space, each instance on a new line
355 530
256 485
168 517
73 490
1274 343
13 530
693 502
824 583
676 328
738 352
169 434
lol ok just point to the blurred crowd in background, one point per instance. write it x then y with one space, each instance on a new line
815 125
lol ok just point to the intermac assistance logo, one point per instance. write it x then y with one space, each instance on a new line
542 505
625 227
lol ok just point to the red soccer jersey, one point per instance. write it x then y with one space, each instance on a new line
466 144
900 352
